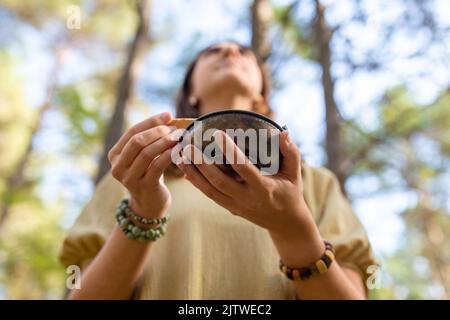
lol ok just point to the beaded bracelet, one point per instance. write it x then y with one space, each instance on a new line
134 232
125 207
321 266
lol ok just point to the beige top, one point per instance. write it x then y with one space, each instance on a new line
208 253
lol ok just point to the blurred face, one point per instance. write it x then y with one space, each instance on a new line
226 67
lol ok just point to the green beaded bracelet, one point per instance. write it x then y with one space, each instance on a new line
134 232
125 207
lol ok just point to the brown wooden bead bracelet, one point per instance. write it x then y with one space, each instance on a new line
321 266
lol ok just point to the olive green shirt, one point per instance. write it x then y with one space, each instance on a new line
208 253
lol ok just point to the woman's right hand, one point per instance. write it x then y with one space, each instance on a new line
138 161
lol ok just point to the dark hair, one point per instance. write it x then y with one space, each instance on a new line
184 108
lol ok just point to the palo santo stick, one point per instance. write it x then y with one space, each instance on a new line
181 123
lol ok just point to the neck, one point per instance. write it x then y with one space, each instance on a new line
219 101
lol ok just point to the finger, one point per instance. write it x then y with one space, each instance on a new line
159 119
200 182
141 140
144 159
157 167
239 162
291 157
215 176
197 179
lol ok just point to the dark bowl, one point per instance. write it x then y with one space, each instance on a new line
259 144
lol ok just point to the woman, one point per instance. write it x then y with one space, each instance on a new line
225 237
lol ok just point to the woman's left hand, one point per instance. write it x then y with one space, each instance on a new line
273 202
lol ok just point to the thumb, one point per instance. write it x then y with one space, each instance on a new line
291 157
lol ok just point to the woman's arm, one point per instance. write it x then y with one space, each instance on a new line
138 161
114 272
302 250
273 202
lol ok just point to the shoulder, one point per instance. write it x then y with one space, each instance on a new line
94 224
317 175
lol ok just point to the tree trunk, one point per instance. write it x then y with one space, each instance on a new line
334 144
261 12
126 85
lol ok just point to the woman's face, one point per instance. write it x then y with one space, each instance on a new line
227 66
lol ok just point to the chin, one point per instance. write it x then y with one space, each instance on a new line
232 80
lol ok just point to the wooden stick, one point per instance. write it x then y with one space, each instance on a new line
181 123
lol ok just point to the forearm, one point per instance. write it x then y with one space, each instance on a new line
114 272
300 249
138 161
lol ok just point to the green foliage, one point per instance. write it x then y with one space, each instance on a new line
32 235
39 12
412 270
28 266
86 107
298 36
28 253
391 148
15 116
101 22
